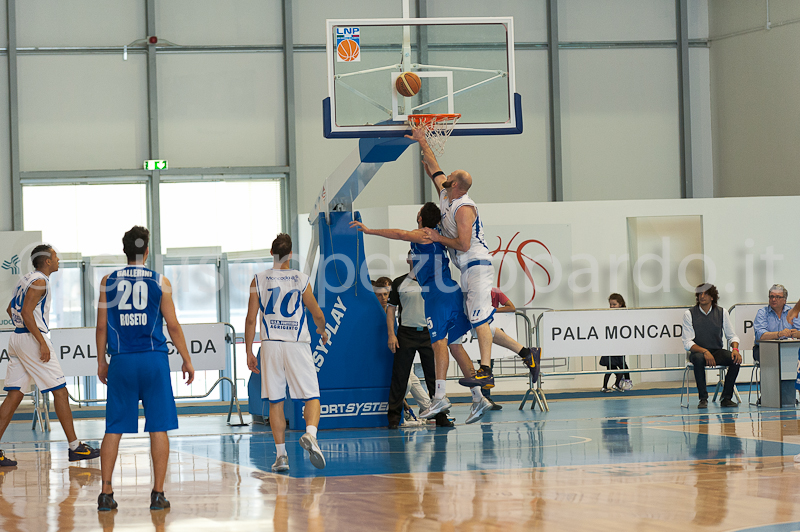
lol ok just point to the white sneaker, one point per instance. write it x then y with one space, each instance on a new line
438 405
309 443
478 409
626 384
281 464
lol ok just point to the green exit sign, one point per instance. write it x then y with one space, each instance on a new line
155 165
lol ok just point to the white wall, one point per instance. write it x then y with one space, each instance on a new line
737 244
754 78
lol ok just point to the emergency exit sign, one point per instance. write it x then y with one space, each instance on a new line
155 165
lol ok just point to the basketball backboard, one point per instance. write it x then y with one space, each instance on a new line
466 66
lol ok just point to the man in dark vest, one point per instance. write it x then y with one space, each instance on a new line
704 325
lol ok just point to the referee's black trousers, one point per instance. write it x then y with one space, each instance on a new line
411 341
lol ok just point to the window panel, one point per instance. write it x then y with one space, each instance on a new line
66 308
221 109
616 20
89 219
82 112
206 22
309 17
237 216
240 275
195 292
530 17
620 136
79 22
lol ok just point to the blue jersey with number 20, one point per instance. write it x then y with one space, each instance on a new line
135 323
282 312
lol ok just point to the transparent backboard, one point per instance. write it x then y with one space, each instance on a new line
465 65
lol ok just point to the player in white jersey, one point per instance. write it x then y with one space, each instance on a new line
280 297
462 233
31 355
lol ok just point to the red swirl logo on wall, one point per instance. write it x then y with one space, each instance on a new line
521 256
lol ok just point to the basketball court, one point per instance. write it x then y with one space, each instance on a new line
635 463
632 461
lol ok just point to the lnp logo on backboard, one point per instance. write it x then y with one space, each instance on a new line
348 44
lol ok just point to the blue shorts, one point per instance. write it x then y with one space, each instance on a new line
134 377
445 314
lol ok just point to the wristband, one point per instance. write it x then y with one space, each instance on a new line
437 174
736 349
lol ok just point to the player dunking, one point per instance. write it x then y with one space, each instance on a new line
462 233
134 303
444 307
281 296
31 356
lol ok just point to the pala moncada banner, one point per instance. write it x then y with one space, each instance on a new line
76 349
579 333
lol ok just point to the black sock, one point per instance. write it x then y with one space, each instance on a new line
524 352
487 369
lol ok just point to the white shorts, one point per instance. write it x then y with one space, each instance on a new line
289 363
25 365
476 283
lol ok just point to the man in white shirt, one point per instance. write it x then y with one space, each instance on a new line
703 328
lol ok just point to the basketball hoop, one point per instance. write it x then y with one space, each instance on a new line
437 128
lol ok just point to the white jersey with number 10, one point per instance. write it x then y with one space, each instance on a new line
280 299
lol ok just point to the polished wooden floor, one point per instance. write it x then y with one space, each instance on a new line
632 463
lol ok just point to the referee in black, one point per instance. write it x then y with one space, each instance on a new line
405 300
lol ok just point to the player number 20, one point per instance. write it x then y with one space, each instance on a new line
139 292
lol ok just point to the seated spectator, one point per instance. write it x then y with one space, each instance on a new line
771 321
704 326
616 362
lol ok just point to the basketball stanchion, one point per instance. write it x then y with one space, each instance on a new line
437 128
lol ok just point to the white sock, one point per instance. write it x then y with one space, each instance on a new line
73 445
311 429
440 389
281 447
476 394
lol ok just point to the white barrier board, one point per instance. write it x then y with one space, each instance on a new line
76 349
743 318
578 333
503 320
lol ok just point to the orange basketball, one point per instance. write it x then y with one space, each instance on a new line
408 84
348 50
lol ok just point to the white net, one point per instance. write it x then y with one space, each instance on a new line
437 129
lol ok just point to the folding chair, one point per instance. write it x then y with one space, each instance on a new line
720 383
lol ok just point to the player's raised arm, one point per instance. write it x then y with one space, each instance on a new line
250 328
175 331
316 313
417 235
428 158
101 333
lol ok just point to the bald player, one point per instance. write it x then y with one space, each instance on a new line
462 232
